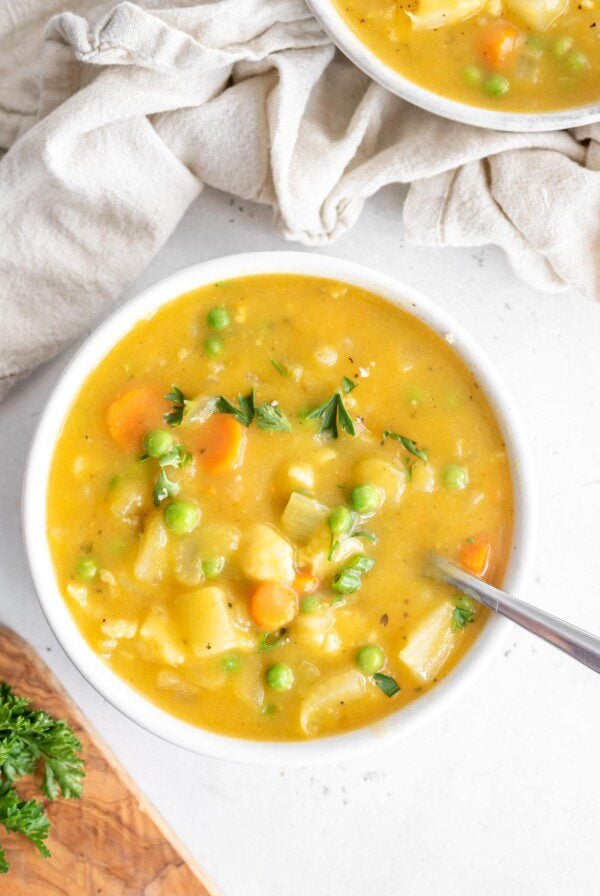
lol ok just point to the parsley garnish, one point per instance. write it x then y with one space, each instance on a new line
348 385
461 617
29 737
408 444
175 396
366 536
178 457
244 414
270 640
269 417
332 414
279 367
164 489
387 684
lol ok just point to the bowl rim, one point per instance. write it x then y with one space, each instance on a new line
140 709
350 44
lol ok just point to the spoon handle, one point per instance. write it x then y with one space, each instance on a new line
579 644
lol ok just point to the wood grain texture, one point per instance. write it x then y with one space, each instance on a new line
112 842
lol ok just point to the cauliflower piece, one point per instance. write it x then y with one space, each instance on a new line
266 556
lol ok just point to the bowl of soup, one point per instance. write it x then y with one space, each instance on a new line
233 489
516 65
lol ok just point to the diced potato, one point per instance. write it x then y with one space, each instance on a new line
383 473
431 643
311 629
302 517
249 682
266 556
152 559
120 628
295 476
437 13
322 704
187 560
208 622
159 641
538 14
128 498
422 477
170 681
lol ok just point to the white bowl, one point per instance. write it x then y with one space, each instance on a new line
348 42
132 703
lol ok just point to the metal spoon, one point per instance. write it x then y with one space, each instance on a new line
581 645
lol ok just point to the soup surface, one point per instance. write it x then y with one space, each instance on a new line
243 494
509 55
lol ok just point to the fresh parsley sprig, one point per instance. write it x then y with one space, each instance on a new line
177 399
410 446
269 416
461 617
28 738
333 416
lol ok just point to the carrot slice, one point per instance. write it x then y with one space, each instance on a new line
475 557
304 583
222 443
273 606
132 414
497 43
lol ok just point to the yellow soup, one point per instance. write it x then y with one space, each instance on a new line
509 55
247 551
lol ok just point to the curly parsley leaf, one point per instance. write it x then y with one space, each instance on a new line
387 684
244 414
177 399
348 385
333 416
461 617
270 418
29 737
410 446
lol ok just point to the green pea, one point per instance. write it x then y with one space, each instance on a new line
86 568
415 396
181 516
577 61
536 41
370 659
455 478
366 498
212 346
310 604
340 520
157 442
465 602
347 581
231 662
218 318
472 75
212 566
280 677
496 85
561 47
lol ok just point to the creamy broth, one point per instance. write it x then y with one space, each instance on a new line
244 570
520 56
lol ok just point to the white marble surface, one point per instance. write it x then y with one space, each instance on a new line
498 798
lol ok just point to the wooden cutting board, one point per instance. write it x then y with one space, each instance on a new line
111 842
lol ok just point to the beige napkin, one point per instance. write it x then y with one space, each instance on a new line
116 117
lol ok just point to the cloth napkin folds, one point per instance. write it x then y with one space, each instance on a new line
115 116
